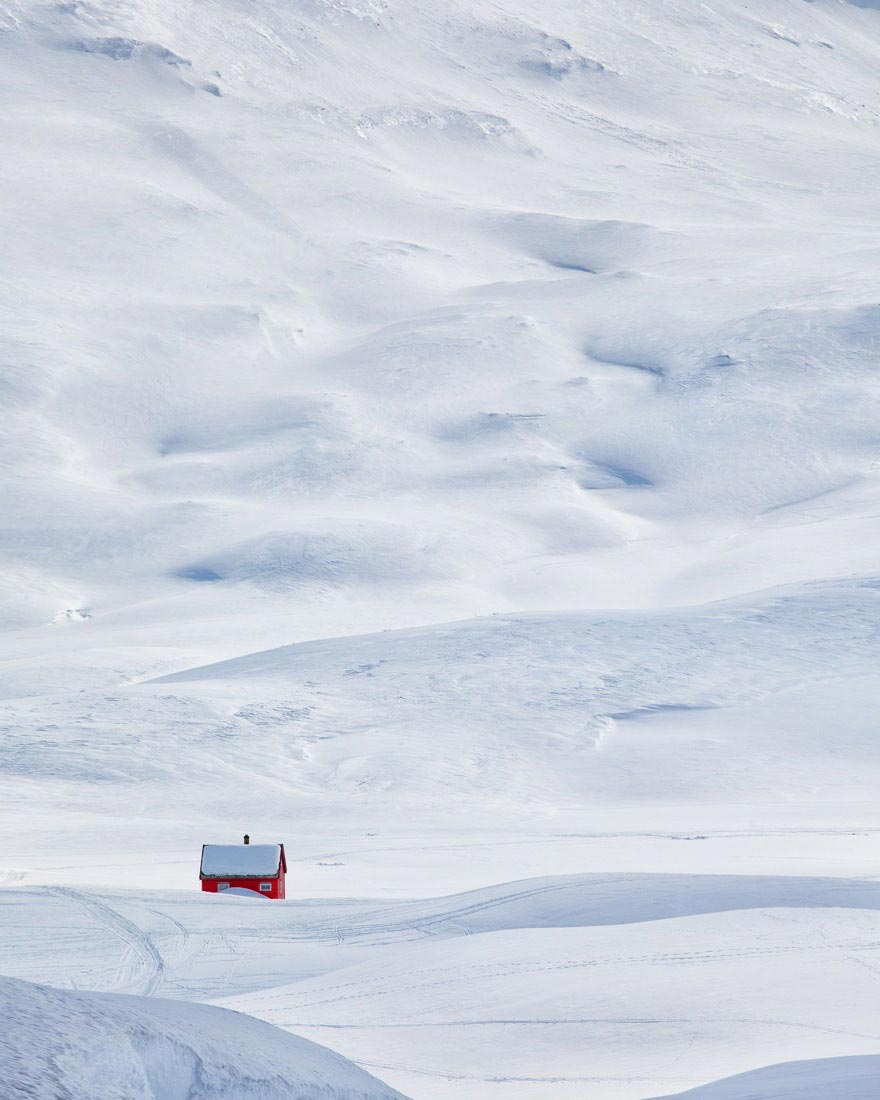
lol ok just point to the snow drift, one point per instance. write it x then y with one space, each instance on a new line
84 1046
853 1078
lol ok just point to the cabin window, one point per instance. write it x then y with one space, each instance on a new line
222 885
265 887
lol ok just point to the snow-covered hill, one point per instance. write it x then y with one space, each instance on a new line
844 1078
340 314
588 733
83 1046
443 436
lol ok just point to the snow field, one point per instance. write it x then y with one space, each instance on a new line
626 986
441 437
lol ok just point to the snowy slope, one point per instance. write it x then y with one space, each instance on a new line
82 1046
832 1078
343 315
617 1012
185 945
744 718
611 986
519 991
442 436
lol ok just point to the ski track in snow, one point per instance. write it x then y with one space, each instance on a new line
142 966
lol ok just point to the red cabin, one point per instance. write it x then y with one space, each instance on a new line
257 867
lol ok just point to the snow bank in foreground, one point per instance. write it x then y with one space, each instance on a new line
852 1078
88 1046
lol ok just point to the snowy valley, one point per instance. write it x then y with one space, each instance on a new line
443 438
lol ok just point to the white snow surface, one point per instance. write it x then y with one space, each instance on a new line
88 1046
441 437
832 1078
240 859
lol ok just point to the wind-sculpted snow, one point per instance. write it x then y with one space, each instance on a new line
287 309
83 1046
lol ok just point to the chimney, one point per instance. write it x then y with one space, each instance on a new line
247 839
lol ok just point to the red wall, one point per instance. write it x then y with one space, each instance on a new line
277 891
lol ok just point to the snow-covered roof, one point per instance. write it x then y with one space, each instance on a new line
241 860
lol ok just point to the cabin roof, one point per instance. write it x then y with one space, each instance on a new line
242 860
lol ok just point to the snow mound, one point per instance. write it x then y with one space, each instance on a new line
579 245
287 561
84 1046
853 1078
570 901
